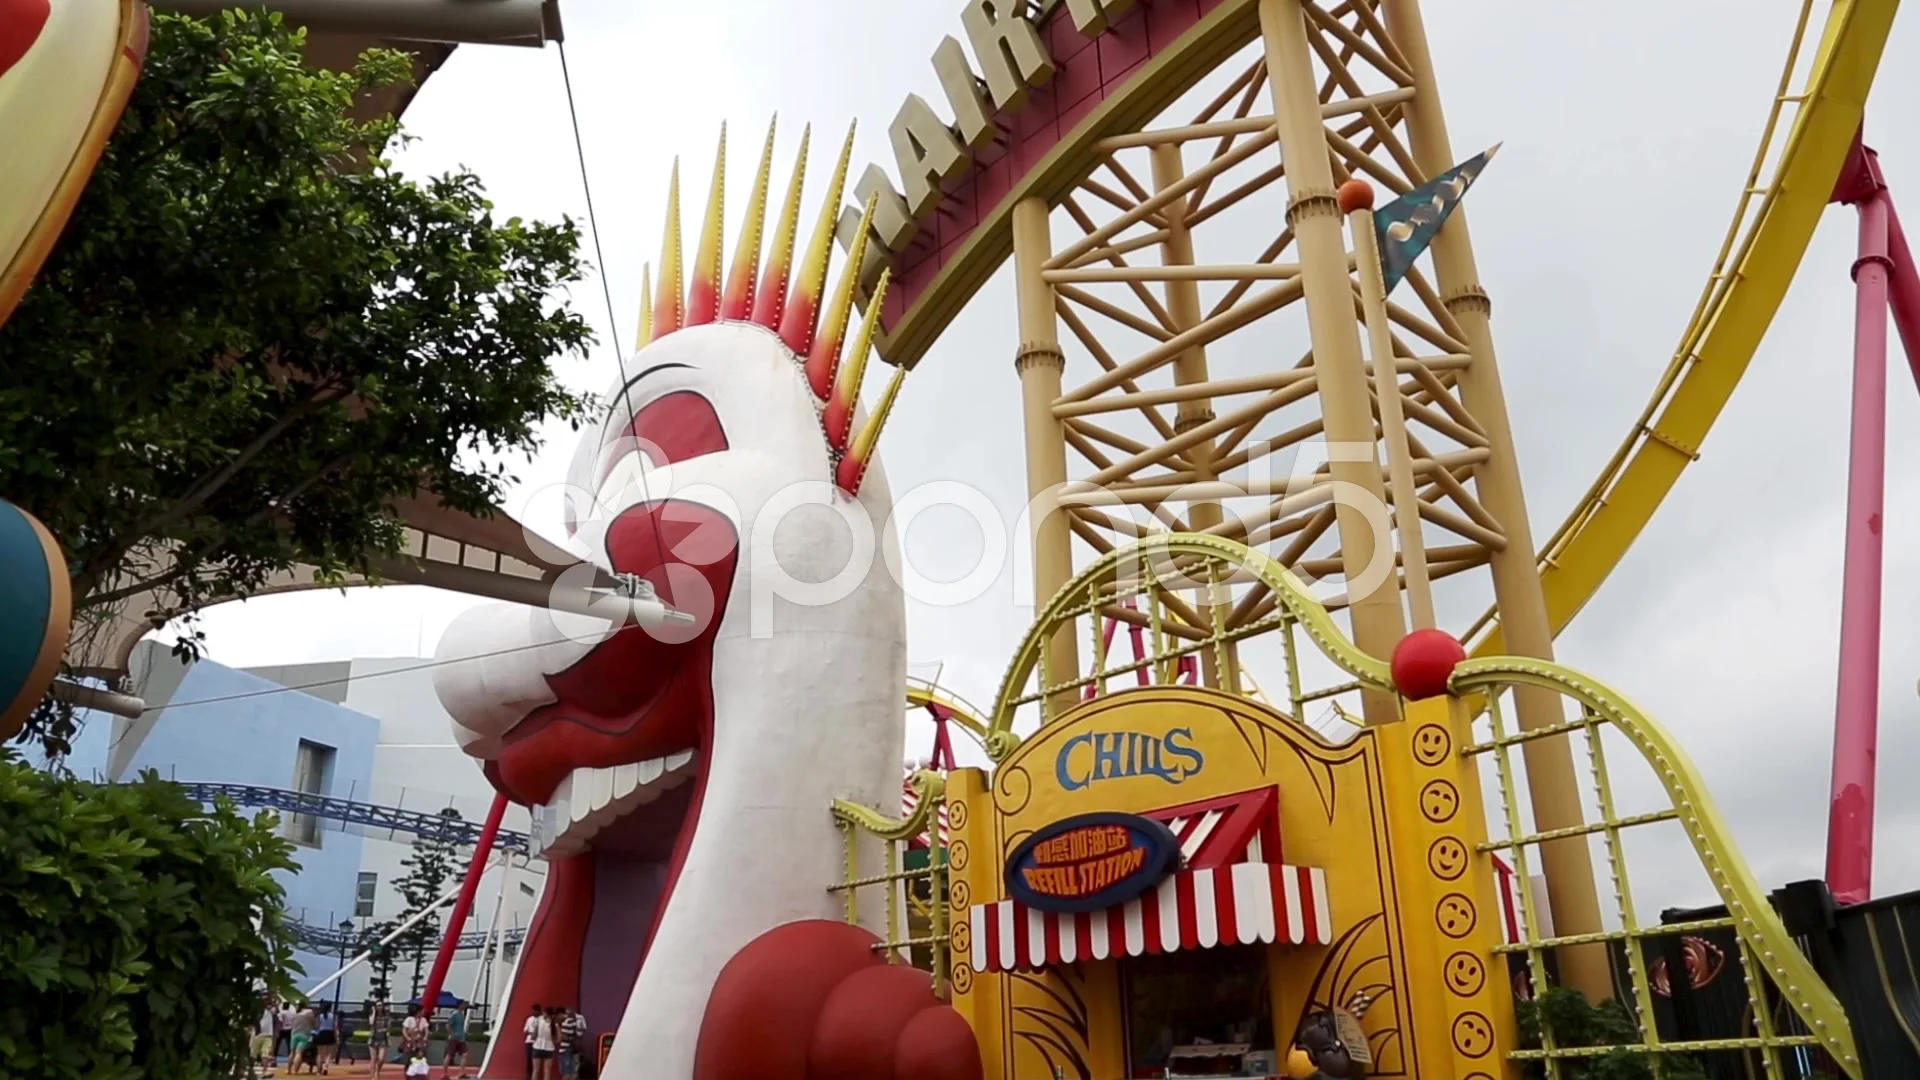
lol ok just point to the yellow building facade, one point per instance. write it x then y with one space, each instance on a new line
1311 878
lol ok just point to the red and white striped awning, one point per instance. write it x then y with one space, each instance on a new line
1239 904
1230 829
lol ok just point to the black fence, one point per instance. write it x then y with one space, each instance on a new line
1868 953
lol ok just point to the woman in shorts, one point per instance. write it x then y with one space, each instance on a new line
377 1024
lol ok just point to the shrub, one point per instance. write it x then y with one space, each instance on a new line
140 929
1576 1022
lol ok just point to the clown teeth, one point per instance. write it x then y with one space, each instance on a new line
589 800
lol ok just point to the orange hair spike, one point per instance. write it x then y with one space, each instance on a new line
801 317
853 468
770 299
845 394
737 301
824 359
703 293
669 309
646 306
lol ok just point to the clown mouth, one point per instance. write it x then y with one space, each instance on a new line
614 770
590 800
611 873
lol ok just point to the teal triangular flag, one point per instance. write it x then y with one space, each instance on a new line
1409 223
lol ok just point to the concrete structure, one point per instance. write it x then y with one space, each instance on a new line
366 730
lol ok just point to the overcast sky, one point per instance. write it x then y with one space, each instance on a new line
1627 137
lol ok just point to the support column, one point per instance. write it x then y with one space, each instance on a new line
1552 783
1183 306
1856 714
1040 364
1314 214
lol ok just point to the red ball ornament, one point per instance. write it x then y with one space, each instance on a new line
1355 194
1424 661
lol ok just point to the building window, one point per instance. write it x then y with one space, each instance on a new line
363 895
1207 1012
312 768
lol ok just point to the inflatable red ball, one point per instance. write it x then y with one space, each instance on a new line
1424 661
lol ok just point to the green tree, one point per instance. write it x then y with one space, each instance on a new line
381 963
255 335
430 866
141 929
1576 1022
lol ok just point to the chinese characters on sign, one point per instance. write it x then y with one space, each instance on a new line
1090 862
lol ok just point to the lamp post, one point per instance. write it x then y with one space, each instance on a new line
346 931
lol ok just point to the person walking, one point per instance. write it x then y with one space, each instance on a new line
527 1029
260 1047
456 1038
326 1043
260 1038
377 1024
300 1045
546 1032
414 1034
283 1034
573 1042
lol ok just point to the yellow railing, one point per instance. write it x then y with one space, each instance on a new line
1766 952
1224 574
899 884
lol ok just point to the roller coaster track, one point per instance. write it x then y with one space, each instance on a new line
369 816
308 937
1774 222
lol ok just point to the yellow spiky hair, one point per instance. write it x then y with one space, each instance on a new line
774 296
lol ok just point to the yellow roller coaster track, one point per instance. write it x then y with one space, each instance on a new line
1772 226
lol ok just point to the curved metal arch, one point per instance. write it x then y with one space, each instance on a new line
922 694
1758 926
1291 595
930 788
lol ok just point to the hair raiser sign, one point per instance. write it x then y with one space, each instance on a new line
1090 862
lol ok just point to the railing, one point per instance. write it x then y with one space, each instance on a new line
1244 594
371 816
1766 952
899 883
313 938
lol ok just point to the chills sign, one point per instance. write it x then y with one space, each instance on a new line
1091 862
1108 755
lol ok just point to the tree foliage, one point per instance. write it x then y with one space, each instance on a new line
1576 1022
131 948
429 867
255 335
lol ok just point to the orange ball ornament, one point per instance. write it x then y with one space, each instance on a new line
1355 194
1299 1065
1423 662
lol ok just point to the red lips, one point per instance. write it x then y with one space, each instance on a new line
20 24
639 694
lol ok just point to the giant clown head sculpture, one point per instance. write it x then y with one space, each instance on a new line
681 775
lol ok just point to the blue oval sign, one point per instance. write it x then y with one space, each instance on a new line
1090 862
